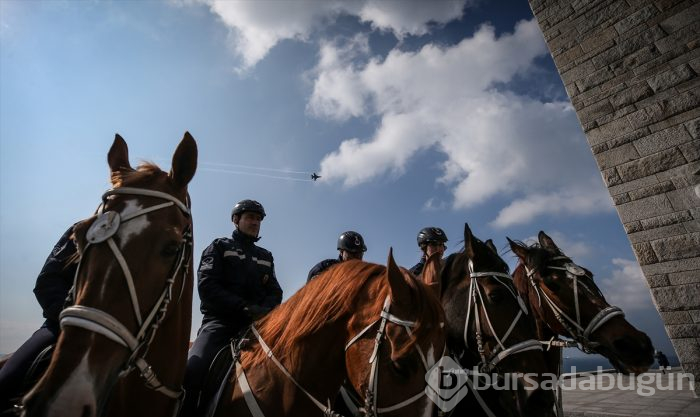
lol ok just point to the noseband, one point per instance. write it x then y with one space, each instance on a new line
370 408
576 330
105 226
500 352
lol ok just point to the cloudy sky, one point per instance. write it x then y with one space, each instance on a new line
428 113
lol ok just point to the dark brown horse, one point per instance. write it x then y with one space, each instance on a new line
376 327
567 302
125 337
489 327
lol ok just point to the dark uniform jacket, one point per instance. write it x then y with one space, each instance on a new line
233 274
320 267
56 278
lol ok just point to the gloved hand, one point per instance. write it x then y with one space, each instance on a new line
255 311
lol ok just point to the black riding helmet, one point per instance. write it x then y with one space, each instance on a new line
431 234
351 242
248 205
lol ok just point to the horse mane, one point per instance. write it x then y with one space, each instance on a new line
126 178
330 297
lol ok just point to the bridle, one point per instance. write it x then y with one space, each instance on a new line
476 298
500 352
105 226
370 408
580 334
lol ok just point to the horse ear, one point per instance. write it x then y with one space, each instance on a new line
490 245
547 242
468 241
184 161
519 250
118 155
431 273
400 294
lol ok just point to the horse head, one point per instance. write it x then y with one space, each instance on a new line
376 327
488 325
132 296
566 299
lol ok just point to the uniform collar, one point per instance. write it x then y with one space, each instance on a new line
243 238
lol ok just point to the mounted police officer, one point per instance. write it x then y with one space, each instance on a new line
51 290
351 245
430 240
237 285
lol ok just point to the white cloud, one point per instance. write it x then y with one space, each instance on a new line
627 288
495 142
257 26
580 199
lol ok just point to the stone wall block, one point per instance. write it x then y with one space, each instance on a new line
646 116
577 72
687 349
680 37
695 315
633 185
640 209
662 232
648 165
665 220
677 247
673 266
656 281
685 277
598 18
653 190
677 298
635 19
617 156
594 111
662 140
691 150
681 19
693 128
632 227
645 253
607 118
675 120
631 95
641 57
621 199
598 39
610 131
683 199
671 78
682 331
611 177
642 40
596 78
676 317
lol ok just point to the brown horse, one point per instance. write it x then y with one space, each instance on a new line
376 327
567 302
489 327
125 337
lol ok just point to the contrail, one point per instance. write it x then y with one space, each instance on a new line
258 168
226 171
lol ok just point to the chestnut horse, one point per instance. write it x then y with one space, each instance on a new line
125 337
490 328
376 327
567 302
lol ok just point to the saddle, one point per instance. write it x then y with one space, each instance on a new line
220 370
31 377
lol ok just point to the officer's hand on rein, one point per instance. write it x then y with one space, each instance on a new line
255 311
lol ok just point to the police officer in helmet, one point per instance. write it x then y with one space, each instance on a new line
430 240
237 285
351 245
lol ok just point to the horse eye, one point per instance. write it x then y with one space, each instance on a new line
496 296
171 249
401 367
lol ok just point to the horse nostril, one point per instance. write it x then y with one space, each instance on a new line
87 411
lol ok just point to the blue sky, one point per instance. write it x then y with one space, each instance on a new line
433 113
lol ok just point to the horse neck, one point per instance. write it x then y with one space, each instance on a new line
278 395
535 304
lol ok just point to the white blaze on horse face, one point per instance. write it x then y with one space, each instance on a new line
133 227
77 394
